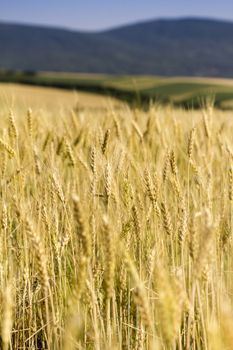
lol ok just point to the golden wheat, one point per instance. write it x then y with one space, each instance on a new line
141 258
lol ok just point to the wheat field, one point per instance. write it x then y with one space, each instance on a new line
116 228
54 101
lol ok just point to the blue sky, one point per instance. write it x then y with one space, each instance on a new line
100 14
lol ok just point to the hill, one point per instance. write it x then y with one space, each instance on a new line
193 47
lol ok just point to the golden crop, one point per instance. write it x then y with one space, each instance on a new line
116 229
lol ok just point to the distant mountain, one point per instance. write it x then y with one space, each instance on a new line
193 47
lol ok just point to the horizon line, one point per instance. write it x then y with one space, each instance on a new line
114 27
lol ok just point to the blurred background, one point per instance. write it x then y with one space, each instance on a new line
171 51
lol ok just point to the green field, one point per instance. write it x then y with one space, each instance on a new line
179 91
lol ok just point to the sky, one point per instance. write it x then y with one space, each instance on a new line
103 14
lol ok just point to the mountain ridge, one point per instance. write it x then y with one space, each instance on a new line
168 47
119 26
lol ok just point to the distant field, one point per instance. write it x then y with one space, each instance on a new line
180 91
37 98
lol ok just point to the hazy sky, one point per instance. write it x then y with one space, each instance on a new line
99 14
